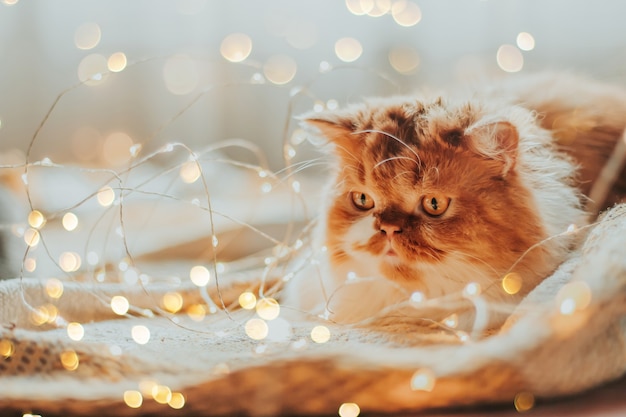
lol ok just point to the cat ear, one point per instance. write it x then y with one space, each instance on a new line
336 128
496 140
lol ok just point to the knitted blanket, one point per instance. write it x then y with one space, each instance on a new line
76 349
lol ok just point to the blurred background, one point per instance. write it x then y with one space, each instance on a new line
202 71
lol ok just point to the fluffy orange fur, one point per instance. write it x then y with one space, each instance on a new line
430 194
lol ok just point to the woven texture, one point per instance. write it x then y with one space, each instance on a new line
220 370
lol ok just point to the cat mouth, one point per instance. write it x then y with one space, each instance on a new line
391 252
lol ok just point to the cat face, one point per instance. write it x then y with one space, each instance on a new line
426 195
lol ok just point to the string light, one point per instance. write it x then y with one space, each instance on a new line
30 264
280 69
423 380
200 275
247 300
172 302
161 394
140 334
36 219
406 13
87 36
267 308
69 221
177 401
120 305
348 49
512 283
75 331
190 172
133 399
509 58
320 334
349 410
256 329
6 348
31 237
525 41
105 196
69 360
236 47
524 401
117 62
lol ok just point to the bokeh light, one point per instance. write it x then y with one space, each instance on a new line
106 196
236 47
512 283
180 74
256 329
36 219
360 7
524 401
200 275
177 401
133 399
140 334
280 69
116 148
525 41
119 305
320 334
69 360
404 59
117 62
247 300
92 69
54 288
172 302
406 13
87 36
75 331
267 308
509 58
423 380
69 261
349 410
190 172
348 49
69 221
32 237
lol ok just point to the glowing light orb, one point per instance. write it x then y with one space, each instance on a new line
512 283
116 148
267 308
117 62
69 360
472 289
349 410
573 296
180 74
236 47
406 13
10 2
75 331
140 334
381 8
119 305
247 300
133 399
69 261
405 60
32 237
256 329
106 196
196 312
348 49
177 401
36 219
280 69
417 297
451 321
525 41
6 348
423 380
69 221
190 172
172 302
199 275
30 264
161 394
87 36
320 334
54 288
524 401
359 7
509 58
92 69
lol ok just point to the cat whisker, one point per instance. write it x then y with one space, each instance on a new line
418 161
393 159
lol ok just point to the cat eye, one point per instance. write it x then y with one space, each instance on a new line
435 204
362 201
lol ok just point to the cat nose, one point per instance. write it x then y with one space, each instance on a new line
389 229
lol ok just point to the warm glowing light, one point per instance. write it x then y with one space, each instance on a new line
236 47
173 302
117 62
360 7
381 8
280 69
472 289
69 360
133 399
266 187
196 312
43 315
36 219
404 59
119 305
573 296
140 334
75 331
10 2
509 58
116 148
190 172
200 276
349 410
423 380
256 329
92 69
161 394
146 386
87 36
177 401
525 41
267 308
106 196
348 49
30 264
54 288
451 321
524 401
320 334
512 283
247 300
6 348
406 13
417 297
31 237
180 74
69 221
69 261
